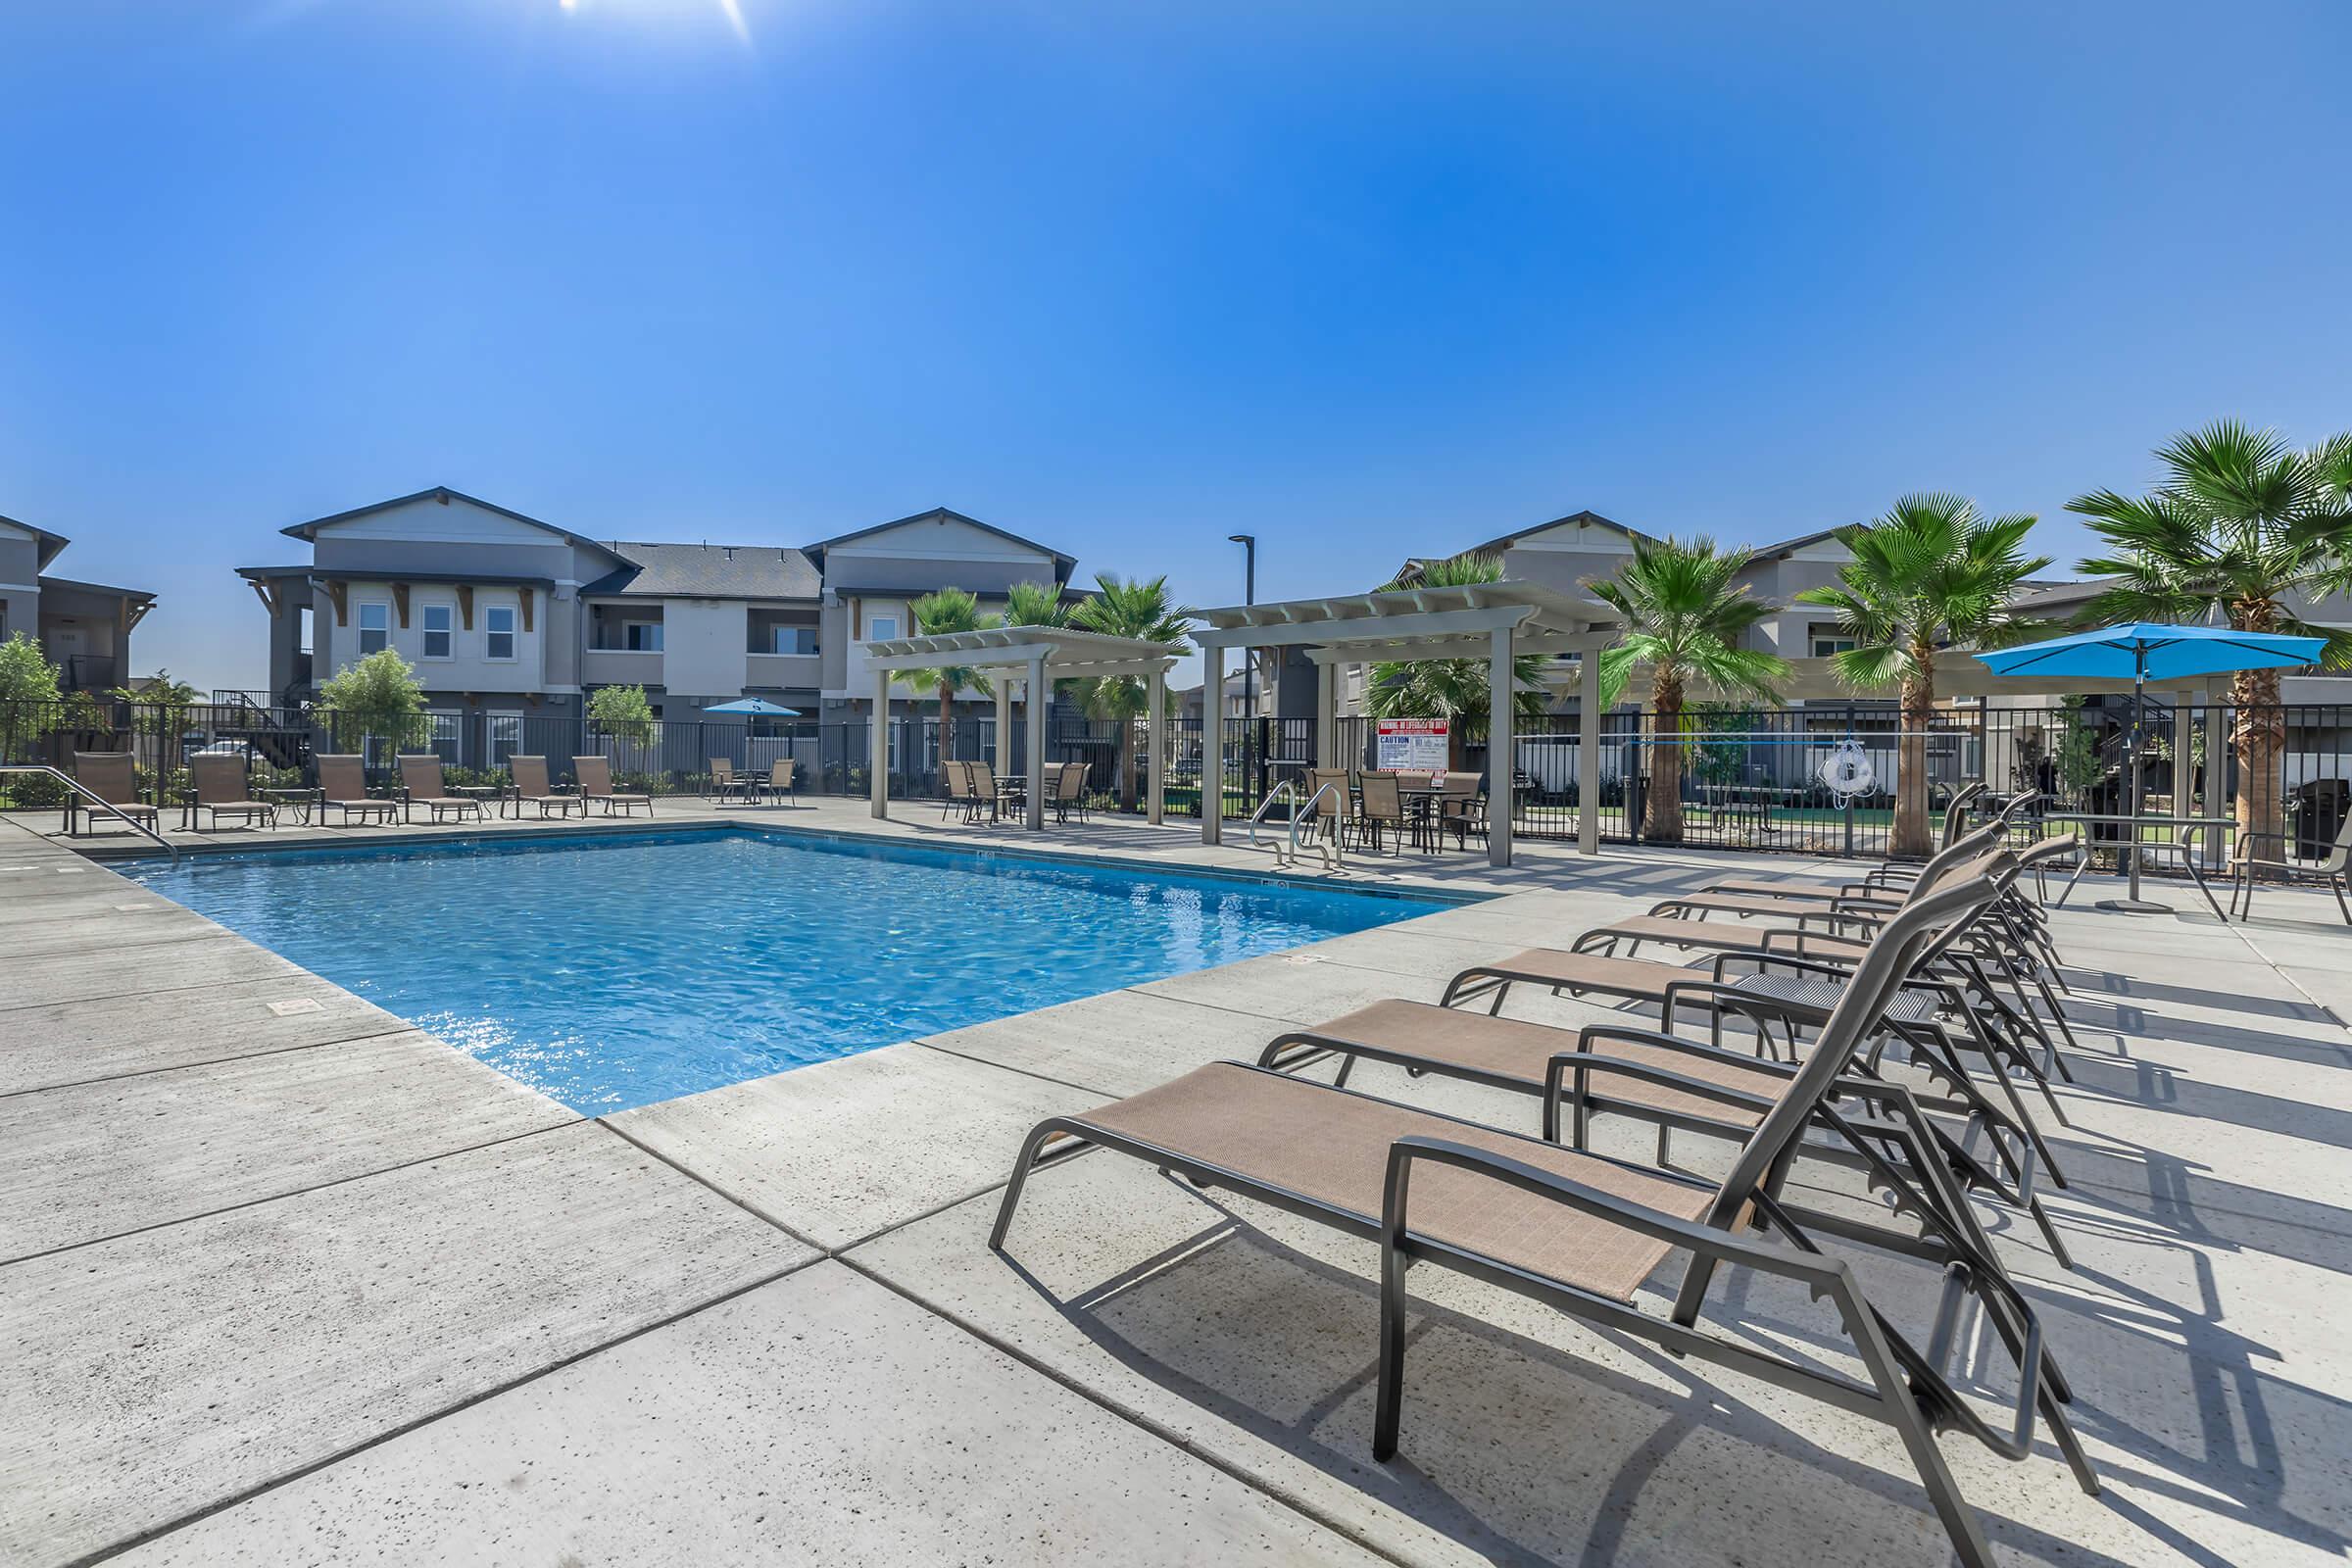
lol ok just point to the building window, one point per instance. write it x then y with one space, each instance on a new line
881 629
795 640
447 742
641 636
1827 643
376 628
498 633
506 736
440 623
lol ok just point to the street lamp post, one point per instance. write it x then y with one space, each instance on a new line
1256 767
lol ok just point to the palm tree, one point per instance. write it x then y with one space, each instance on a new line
1034 604
1128 607
2239 523
1456 690
946 609
1685 614
1931 573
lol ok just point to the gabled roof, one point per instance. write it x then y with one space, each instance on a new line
1062 564
1789 547
1409 575
443 494
656 570
45 544
137 596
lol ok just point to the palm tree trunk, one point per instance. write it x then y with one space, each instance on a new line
1911 760
2261 742
1662 810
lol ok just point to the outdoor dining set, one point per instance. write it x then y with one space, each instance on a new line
977 791
1367 809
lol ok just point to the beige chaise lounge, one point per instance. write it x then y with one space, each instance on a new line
224 786
420 785
343 785
594 774
113 777
532 787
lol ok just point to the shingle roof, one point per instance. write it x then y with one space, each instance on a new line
1063 563
708 571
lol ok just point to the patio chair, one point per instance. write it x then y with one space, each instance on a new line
783 777
1328 812
532 787
420 785
2252 868
726 783
343 786
1069 792
954 788
113 777
225 788
1584 1232
1460 808
594 776
1380 810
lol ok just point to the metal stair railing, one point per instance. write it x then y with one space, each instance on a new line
96 800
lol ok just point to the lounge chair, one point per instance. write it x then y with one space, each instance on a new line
783 775
420 785
532 787
225 788
594 774
726 783
343 787
1535 1058
2250 868
113 777
1584 1232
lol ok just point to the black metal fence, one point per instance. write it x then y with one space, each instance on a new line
1749 778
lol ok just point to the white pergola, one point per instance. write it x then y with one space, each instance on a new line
1494 620
1043 655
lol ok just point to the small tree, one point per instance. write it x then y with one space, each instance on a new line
28 697
379 696
622 713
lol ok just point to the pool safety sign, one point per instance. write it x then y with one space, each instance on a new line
1413 744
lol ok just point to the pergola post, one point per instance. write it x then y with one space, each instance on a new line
1001 757
1588 753
1212 743
1503 746
878 762
1327 713
1156 743
1038 698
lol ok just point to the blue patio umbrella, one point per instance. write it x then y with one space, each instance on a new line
758 707
2144 650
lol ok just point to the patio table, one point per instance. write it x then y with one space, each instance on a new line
301 802
500 793
2184 840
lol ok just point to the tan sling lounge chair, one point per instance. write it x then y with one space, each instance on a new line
594 774
420 785
113 777
727 784
343 786
783 779
1584 1234
225 788
532 787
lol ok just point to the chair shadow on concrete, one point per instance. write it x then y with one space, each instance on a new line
1520 1450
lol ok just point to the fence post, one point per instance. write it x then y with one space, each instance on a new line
1850 799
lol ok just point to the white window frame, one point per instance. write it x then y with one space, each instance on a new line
777 633
502 734
628 626
1830 645
491 632
425 631
873 628
359 620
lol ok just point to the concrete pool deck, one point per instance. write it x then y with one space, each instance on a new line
282 1279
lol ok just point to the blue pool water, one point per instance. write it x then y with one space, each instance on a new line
616 971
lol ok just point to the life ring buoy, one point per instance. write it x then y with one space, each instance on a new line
1847 772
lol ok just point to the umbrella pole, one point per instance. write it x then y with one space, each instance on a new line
2139 711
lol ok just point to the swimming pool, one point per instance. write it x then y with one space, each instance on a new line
613 971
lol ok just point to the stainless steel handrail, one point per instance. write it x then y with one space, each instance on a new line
1305 816
95 799
1279 792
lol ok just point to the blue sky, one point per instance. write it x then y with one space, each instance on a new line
1368 280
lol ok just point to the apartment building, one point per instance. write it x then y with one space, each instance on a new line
83 627
508 614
